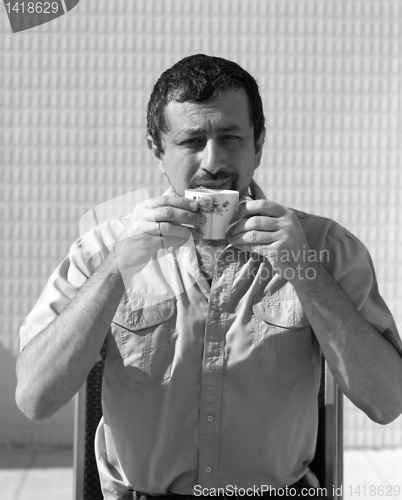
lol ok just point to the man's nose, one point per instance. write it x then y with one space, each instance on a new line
213 157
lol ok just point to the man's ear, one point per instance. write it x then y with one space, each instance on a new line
156 153
259 145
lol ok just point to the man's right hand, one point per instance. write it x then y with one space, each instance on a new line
163 222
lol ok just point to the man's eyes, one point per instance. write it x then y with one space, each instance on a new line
231 137
200 140
193 140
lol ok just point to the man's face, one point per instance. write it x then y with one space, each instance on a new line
209 144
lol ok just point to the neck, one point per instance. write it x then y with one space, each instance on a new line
208 252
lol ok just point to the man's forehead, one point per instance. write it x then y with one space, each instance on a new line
230 110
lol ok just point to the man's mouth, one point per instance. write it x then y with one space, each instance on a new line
222 184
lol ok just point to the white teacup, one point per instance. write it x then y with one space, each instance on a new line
218 206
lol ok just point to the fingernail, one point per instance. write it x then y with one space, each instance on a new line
231 225
193 205
242 202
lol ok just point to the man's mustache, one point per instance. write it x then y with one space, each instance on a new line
218 177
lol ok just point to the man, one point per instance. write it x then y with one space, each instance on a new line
213 386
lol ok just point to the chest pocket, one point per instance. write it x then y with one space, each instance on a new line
282 339
145 339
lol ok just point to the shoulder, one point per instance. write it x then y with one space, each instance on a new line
320 230
108 230
340 244
95 241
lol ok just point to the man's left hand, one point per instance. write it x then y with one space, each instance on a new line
271 230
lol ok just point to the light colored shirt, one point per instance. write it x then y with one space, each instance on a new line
211 385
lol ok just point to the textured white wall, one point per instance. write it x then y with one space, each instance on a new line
73 96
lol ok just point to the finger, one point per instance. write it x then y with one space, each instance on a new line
257 223
142 223
172 201
174 230
176 216
173 209
175 235
253 237
263 207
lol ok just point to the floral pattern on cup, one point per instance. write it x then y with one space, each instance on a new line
211 205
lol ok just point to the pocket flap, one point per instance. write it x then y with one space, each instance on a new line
285 312
138 319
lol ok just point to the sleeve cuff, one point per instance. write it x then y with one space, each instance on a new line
393 339
27 333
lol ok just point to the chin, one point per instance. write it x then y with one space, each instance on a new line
242 192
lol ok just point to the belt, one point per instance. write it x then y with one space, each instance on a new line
309 481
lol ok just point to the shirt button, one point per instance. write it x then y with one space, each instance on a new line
208 470
216 314
210 418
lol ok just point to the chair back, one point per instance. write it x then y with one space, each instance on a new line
88 412
328 459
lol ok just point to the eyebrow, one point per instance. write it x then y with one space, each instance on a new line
201 130
230 128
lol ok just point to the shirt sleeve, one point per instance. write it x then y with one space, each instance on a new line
60 289
351 265
85 255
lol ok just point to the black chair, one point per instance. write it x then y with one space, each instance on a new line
327 463
88 412
328 459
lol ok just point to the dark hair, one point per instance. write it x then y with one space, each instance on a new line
200 78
